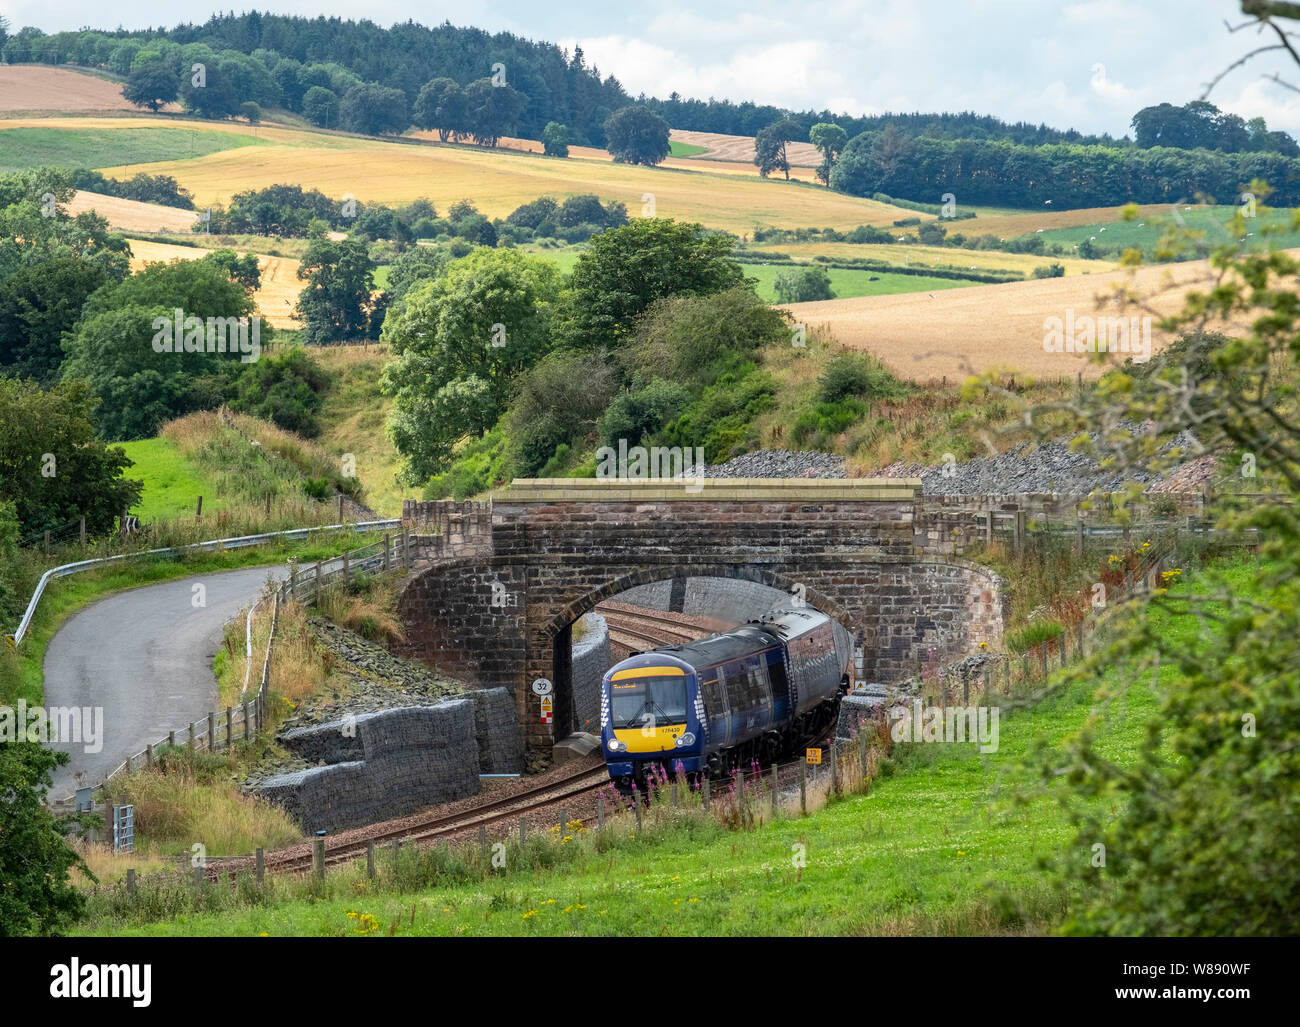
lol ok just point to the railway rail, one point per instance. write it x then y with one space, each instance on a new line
431 827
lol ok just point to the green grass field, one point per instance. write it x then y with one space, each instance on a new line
1271 227
22 148
171 482
847 284
939 846
676 149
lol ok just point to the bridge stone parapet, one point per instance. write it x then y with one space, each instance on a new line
498 584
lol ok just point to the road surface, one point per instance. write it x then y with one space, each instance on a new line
145 658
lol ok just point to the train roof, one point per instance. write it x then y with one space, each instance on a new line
723 647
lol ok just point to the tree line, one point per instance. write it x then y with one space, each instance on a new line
1003 173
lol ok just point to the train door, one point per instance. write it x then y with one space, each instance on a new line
716 706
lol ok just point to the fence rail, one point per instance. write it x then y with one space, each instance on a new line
238 542
246 720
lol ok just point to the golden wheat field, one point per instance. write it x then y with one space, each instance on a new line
276 296
955 333
496 180
132 215
1010 224
723 167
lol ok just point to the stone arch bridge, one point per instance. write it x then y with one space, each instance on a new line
498 584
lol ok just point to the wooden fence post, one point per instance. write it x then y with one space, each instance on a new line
523 827
370 858
1042 656
83 531
636 803
230 727
347 571
171 739
318 857
387 549
261 867
1063 653
317 579
564 820
708 788
776 786
148 755
803 786
482 840
130 883
1078 636
190 743
600 811
247 718
340 507
212 731
198 510
406 548
835 759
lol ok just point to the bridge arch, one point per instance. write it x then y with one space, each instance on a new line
574 712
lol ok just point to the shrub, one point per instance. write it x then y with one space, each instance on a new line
1032 636
859 375
804 285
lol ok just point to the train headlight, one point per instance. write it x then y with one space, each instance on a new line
685 739
614 745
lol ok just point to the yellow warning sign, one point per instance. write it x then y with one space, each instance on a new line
10 644
546 709
813 755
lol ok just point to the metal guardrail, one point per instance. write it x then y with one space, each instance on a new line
239 542
218 730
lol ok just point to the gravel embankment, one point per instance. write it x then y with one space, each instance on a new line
1045 467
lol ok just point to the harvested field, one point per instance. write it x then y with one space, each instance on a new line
275 298
1011 225
40 89
131 215
961 332
684 163
500 180
741 148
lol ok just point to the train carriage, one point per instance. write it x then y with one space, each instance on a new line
753 693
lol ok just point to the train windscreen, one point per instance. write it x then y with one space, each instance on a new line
633 701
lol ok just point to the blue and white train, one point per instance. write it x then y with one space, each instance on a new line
757 692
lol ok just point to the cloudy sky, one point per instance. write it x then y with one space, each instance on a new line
1086 65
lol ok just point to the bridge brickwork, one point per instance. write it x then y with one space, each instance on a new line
498 584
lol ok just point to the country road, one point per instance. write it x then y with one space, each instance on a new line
145 657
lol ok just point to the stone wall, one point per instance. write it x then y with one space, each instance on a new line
496 728
591 658
412 757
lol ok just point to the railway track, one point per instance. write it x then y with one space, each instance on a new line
298 858
636 629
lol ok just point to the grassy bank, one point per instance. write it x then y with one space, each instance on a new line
948 841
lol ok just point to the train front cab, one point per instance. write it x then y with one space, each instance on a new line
649 717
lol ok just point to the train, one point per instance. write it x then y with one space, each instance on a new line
756 692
